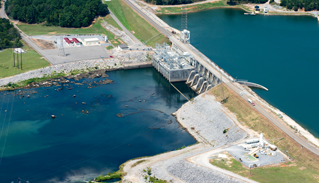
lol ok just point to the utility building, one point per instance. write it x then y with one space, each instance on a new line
91 41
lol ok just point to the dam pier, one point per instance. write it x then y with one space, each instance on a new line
176 66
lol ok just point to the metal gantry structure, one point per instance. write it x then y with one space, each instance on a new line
170 58
185 34
61 48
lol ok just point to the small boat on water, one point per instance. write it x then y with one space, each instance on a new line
252 14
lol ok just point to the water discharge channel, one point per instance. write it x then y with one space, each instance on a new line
278 52
126 119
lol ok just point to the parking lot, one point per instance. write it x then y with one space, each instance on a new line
73 53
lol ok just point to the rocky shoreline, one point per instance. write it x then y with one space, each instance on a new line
74 70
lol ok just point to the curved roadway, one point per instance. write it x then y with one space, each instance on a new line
275 121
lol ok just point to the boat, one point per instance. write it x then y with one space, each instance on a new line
252 14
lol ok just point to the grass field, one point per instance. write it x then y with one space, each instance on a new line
250 117
111 21
95 28
31 60
289 172
191 8
133 22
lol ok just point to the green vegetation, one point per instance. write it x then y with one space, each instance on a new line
152 179
95 28
31 60
9 36
133 22
289 172
249 116
191 8
181 148
138 162
234 2
109 176
308 5
40 29
66 13
109 47
171 2
111 21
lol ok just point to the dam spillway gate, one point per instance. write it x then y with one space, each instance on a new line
176 66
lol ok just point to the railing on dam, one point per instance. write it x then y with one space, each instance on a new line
250 84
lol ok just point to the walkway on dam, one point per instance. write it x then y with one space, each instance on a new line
208 66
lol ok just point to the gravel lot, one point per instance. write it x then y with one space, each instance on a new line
206 120
192 173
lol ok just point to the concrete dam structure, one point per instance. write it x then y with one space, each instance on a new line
176 65
172 66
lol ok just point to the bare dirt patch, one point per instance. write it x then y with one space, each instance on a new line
302 168
52 32
121 41
46 45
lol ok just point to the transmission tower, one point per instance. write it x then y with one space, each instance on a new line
61 48
184 18
185 34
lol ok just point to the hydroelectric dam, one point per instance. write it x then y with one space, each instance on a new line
177 66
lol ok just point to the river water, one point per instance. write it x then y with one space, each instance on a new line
76 146
278 52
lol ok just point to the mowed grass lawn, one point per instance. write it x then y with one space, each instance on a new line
30 60
111 21
95 28
251 118
133 22
191 8
289 172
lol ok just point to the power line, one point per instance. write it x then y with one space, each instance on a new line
5 141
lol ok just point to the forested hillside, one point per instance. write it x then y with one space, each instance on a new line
9 36
171 2
299 4
64 13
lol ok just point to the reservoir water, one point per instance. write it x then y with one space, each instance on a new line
127 119
278 52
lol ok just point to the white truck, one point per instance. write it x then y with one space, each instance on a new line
250 101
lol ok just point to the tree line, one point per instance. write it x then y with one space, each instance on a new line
9 36
308 5
171 2
234 2
64 13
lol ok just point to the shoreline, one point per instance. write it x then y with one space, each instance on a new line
245 8
314 141
67 69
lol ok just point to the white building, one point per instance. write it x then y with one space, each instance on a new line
91 41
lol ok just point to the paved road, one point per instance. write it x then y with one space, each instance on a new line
275 121
2 14
124 29
202 160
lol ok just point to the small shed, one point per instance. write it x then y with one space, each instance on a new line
122 47
91 41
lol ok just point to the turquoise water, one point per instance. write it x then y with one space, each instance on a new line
76 146
279 52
